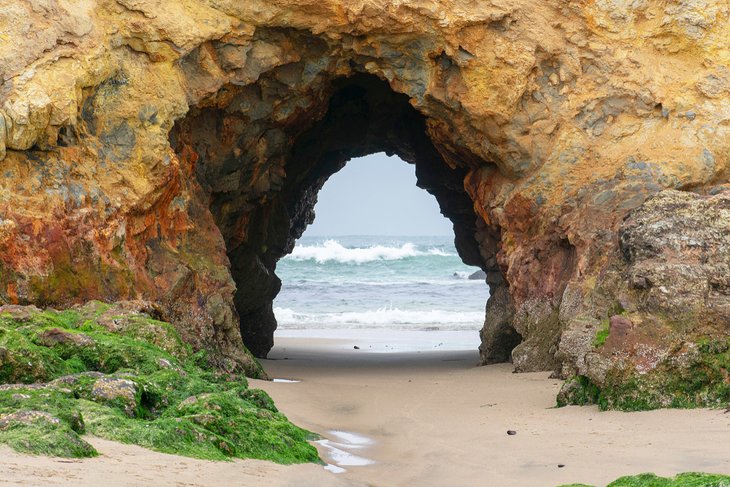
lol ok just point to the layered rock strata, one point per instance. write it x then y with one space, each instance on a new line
173 153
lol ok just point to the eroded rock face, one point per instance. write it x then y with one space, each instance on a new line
677 246
173 154
667 341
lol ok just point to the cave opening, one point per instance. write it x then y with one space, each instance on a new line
260 161
378 266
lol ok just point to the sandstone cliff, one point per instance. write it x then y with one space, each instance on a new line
172 152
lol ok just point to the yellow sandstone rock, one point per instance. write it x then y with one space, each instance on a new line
171 151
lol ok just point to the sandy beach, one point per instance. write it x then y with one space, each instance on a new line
437 419
127 465
429 418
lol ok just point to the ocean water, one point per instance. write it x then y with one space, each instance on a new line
366 282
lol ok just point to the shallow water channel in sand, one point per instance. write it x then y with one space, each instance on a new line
340 451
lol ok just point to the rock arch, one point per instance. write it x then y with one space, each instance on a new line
362 115
169 157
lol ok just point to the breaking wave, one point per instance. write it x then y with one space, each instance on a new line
332 250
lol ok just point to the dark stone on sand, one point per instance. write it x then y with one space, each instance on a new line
511 432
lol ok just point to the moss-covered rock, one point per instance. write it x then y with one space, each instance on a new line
578 390
65 374
120 393
689 479
260 398
39 432
134 319
691 374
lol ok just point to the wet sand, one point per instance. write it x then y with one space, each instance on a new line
428 419
436 419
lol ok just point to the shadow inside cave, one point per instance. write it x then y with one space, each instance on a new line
261 159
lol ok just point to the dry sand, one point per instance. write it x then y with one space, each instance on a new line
435 419
128 465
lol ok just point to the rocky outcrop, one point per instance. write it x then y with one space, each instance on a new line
173 154
667 340
128 385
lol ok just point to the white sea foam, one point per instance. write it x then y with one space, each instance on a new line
332 250
342 457
334 468
338 452
352 439
407 319
460 279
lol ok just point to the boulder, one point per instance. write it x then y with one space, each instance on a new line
56 336
121 393
479 275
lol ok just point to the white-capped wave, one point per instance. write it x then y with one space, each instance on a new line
439 252
332 250
382 317
462 279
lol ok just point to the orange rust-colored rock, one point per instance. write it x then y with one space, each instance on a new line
172 153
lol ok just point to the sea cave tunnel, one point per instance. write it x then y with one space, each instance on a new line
261 154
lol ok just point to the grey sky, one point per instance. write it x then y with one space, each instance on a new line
377 195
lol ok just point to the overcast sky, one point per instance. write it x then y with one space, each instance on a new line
377 195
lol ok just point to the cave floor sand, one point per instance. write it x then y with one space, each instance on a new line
439 420
435 420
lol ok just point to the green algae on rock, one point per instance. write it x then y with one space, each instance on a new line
65 374
689 479
38 432
601 334
694 374
578 391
